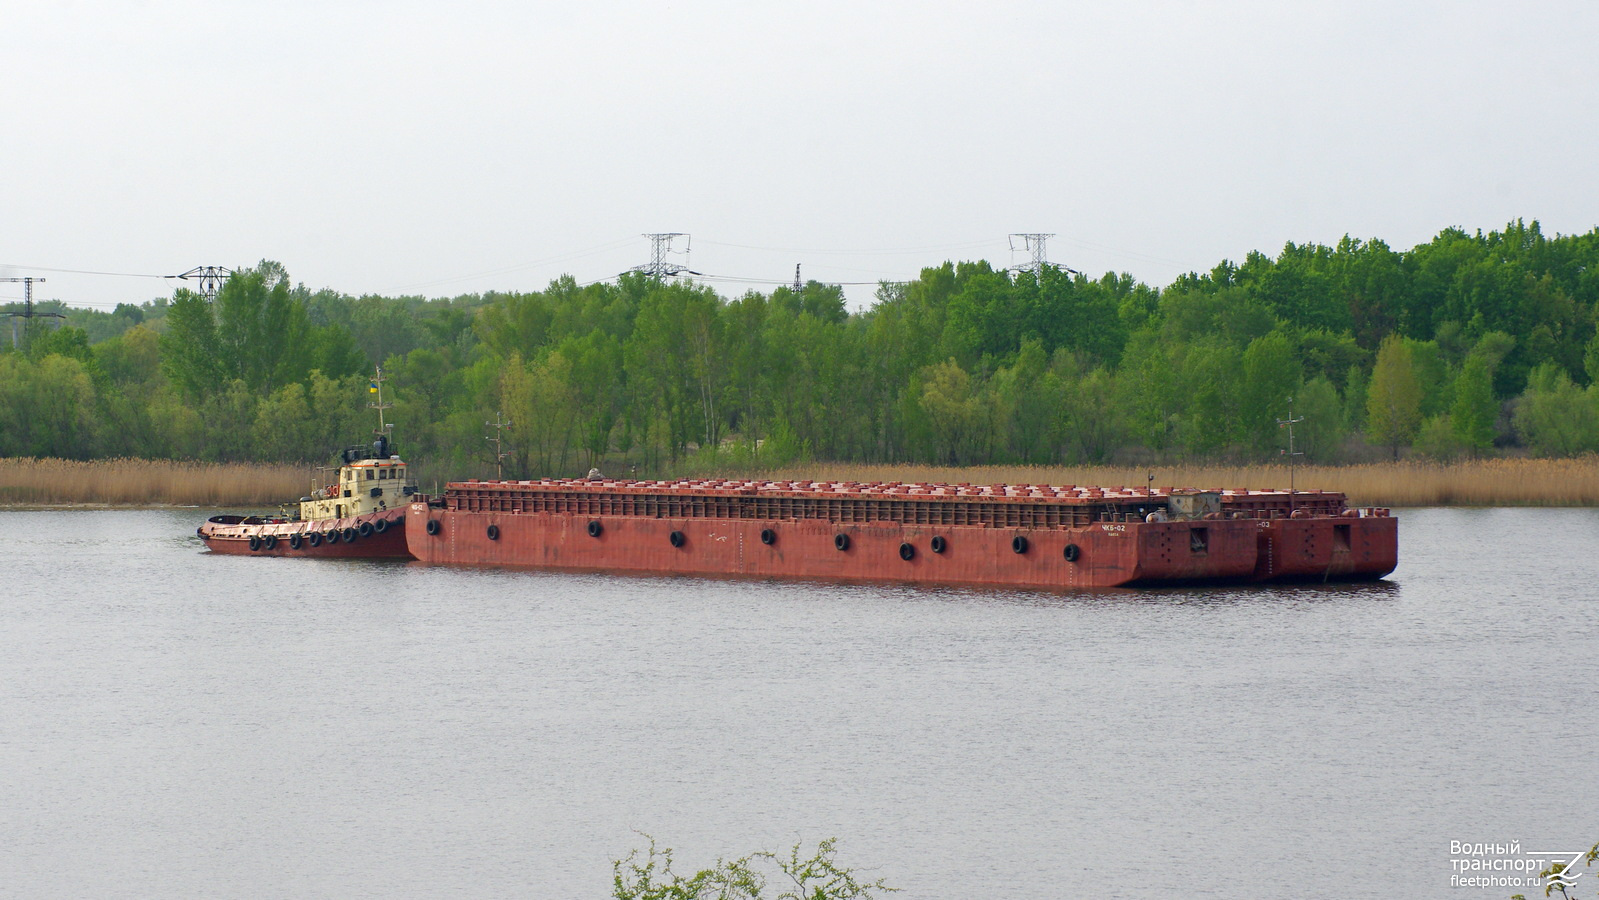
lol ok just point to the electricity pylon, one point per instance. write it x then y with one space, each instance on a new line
660 247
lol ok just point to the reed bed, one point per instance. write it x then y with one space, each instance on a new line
1485 482
147 482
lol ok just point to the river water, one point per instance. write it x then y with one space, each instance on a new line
179 724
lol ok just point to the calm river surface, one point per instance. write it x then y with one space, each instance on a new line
178 724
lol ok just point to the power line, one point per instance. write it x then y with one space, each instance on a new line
576 254
891 250
83 271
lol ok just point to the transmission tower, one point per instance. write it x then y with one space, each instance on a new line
27 315
799 286
1033 245
210 277
661 247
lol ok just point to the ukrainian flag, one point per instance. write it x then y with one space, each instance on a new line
372 387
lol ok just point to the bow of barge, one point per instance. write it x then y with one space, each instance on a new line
1021 536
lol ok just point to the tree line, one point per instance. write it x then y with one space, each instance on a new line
1468 344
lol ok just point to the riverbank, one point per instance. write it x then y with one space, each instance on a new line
1490 482
1487 482
147 482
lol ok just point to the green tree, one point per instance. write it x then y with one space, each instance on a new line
1271 377
190 352
1393 397
954 409
1555 417
1474 412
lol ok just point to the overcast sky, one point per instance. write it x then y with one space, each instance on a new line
444 148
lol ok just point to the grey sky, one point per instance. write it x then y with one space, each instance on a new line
445 148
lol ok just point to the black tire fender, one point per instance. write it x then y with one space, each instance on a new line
255 542
768 536
365 529
938 544
1018 544
1071 552
493 532
676 538
841 541
596 529
907 551
434 527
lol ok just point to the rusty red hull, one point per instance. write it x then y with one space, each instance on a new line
1020 536
1105 555
379 535
1337 548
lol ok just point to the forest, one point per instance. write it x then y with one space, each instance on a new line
1469 345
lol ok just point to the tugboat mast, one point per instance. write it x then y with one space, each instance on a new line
377 388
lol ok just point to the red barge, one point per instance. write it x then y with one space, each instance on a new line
1020 536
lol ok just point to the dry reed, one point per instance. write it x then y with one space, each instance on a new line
1485 482
147 482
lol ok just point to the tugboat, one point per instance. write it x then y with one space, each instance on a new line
362 514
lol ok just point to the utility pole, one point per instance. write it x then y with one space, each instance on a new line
660 247
210 278
500 453
27 315
1289 424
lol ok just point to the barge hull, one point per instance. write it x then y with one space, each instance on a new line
1105 555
